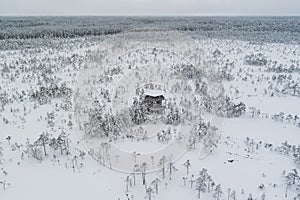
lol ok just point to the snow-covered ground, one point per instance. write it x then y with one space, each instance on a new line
251 157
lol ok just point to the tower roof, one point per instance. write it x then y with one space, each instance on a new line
154 93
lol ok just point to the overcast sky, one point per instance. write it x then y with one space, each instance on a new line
149 7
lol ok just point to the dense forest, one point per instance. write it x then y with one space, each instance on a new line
256 29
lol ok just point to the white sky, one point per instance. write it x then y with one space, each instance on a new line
149 7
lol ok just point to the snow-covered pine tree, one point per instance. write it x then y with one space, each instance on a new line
211 139
218 192
200 185
187 164
44 140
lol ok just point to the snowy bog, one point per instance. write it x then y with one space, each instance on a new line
130 109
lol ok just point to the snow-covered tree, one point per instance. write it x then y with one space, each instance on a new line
187 164
201 129
200 185
211 139
144 167
203 182
230 109
1 155
233 195
171 168
138 111
149 192
218 192
291 179
35 150
162 164
44 140
256 59
250 197
173 116
263 196
155 183
63 143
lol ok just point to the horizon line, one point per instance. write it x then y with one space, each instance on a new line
152 15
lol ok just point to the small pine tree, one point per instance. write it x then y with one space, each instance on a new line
218 192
